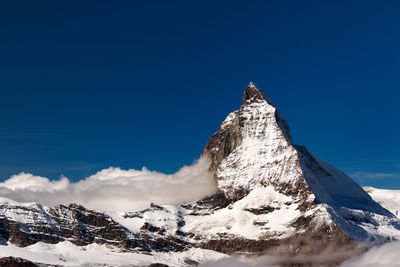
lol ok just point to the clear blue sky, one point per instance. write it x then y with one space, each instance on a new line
85 85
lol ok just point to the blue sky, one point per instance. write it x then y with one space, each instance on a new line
88 85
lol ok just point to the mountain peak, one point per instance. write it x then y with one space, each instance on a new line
253 94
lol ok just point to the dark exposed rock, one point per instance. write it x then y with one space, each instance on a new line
190 262
223 142
151 228
154 206
164 244
252 94
220 200
16 262
157 240
158 265
216 201
262 210
235 245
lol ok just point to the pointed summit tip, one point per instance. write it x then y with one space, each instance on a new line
251 84
253 94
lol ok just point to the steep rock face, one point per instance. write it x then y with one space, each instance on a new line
82 226
25 224
224 141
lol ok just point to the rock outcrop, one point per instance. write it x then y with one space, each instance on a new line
17 262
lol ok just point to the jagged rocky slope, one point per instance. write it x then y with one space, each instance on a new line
272 194
24 224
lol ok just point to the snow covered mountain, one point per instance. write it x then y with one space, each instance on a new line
389 199
272 195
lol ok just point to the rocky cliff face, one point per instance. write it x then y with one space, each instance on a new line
24 224
271 195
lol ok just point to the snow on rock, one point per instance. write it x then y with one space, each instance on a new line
263 154
24 213
68 254
262 211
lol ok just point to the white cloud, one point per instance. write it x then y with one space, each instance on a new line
231 262
384 256
332 255
115 189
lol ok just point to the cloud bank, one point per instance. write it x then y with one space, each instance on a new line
331 256
114 189
383 256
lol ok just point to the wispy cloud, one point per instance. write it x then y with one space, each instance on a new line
373 175
395 163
